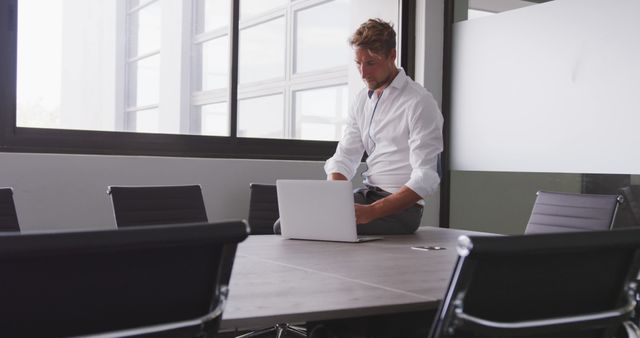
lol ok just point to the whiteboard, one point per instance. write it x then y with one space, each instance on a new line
553 87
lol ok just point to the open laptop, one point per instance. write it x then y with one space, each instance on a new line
318 210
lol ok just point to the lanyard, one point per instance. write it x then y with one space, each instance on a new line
371 121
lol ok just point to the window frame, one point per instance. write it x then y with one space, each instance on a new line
68 141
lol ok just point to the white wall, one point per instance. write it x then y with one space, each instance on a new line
497 6
54 191
429 46
548 88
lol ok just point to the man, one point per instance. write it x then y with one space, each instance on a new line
398 123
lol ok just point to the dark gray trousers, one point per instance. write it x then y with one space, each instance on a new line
404 222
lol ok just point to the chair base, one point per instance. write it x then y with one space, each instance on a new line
631 329
280 330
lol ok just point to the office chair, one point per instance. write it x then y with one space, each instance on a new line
563 212
8 215
150 205
577 284
629 213
152 281
263 212
263 208
629 216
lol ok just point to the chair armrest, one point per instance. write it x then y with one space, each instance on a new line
463 319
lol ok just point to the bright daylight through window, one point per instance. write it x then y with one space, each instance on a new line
163 66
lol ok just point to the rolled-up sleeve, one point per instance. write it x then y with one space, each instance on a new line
425 144
349 150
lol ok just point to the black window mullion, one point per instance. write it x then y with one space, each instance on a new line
407 36
8 38
233 76
445 181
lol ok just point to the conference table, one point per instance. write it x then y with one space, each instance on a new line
278 280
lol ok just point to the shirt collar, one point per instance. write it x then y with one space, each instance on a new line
397 82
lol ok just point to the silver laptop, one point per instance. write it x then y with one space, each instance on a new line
318 210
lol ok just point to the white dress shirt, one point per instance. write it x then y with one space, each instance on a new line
401 130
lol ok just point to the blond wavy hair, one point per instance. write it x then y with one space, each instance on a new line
376 36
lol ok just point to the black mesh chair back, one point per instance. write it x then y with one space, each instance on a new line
263 208
150 280
570 285
629 212
8 216
150 205
563 212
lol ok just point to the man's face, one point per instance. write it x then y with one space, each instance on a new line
375 69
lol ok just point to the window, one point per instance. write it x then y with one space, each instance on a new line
38 100
321 112
168 77
143 61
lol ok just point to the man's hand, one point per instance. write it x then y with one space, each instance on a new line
336 177
365 213
396 202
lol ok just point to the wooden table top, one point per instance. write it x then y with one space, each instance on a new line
279 280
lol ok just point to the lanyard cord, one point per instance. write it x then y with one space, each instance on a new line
371 121
365 172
